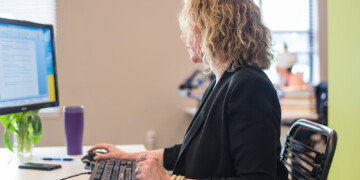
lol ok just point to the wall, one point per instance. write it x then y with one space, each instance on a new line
320 57
124 61
344 86
322 35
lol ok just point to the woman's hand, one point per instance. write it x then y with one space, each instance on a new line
149 167
112 152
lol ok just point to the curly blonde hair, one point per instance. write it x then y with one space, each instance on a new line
232 29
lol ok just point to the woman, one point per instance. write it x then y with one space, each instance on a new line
284 64
235 132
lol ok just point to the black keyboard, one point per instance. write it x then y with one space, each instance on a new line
114 169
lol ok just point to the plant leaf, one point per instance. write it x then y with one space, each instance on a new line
17 117
37 138
7 140
4 120
36 124
26 117
37 127
7 121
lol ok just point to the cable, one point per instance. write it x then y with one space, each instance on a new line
76 175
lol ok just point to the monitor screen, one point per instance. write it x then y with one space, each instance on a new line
27 66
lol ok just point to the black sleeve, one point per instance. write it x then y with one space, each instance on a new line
253 117
170 156
246 177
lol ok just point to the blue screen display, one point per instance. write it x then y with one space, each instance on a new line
26 65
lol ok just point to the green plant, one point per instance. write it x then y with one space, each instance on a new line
27 127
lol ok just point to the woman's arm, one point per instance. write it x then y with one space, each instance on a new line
114 152
159 153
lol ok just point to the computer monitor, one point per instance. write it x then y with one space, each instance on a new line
27 66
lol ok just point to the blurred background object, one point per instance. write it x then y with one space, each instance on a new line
285 62
194 86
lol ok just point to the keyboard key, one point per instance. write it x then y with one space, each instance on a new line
97 176
102 164
115 173
112 161
108 171
99 170
122 173
128 175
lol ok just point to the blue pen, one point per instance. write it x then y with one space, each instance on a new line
58 159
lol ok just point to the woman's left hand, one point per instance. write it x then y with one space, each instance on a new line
148 167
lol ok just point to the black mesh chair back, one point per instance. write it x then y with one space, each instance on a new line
321 94
304 161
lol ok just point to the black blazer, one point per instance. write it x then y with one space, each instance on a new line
235 133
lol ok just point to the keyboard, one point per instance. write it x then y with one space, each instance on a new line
114 169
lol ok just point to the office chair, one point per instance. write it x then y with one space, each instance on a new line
321 94
303 161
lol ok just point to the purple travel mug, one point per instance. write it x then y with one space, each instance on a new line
74 128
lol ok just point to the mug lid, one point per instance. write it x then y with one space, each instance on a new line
73 108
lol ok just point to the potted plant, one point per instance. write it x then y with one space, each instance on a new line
26 127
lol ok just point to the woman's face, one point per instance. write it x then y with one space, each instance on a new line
194 48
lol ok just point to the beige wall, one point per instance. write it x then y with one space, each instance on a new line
122 60
320 56
322 37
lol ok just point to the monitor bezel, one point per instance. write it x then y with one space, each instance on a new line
35 106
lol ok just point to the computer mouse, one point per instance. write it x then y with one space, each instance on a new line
90 156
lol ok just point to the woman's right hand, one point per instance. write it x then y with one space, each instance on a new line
112 152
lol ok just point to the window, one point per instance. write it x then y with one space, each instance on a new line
290 23
40 11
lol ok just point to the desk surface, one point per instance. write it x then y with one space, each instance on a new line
9 163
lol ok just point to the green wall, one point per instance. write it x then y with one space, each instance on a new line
344 86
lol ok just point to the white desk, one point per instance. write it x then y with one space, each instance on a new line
289 116
9 163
